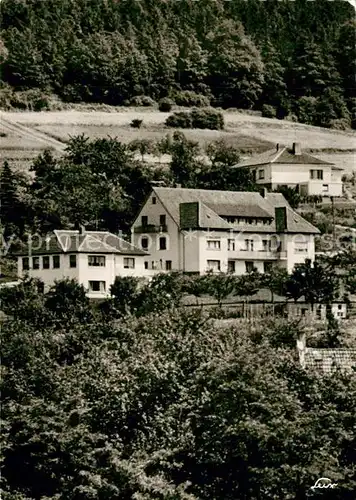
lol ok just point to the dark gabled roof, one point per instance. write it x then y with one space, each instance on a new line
241 210
63 241
213 205
326 361
282 155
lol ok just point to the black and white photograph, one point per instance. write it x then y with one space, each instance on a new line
178 249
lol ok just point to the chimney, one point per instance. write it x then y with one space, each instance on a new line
189 215
178 186
280 215
297 150
264 192
301 348
81 229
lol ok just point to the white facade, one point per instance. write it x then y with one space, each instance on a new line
229 250
320 180
294 168
95 270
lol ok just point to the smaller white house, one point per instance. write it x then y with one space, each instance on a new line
93 258
292 167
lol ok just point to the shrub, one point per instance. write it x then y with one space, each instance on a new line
188 98
197 118
136 123
33 100
180 119
141 100
165 104
269 111
207 118
6 95
340 124
291 117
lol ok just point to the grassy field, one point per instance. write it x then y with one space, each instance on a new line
25 134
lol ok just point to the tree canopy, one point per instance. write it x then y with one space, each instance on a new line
241 54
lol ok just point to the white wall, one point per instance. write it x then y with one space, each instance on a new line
49 276
157 256
297 174
293 256
83 273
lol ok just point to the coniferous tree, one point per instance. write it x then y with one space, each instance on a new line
12 210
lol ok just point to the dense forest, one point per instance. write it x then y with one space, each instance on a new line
297 58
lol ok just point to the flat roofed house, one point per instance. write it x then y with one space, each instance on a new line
292 167
196 230
93 258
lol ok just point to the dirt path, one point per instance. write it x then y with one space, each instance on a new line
30 133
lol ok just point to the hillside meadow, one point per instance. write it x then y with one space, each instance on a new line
25 134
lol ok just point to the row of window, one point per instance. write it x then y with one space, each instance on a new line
247 220
162 220
155 265
316 174
54 262
47 263
215 265
162 243
231 245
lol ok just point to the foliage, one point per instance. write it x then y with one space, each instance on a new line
164 291
106 52
219 286
179 119
268 111
67 302
197 118
291 195
221 154
13 215
141 100
165 104
143 146
188 98
124 291
184 163
96 183
136 123
168 406
276 281
316 283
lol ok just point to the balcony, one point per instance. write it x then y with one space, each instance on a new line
150 228
256 255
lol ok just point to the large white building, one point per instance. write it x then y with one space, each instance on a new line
195 230
294 168
93 258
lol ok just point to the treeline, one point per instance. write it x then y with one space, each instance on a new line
293 59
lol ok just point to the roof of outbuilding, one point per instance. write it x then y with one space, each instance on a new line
327 360
214 205
73 241
282 155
